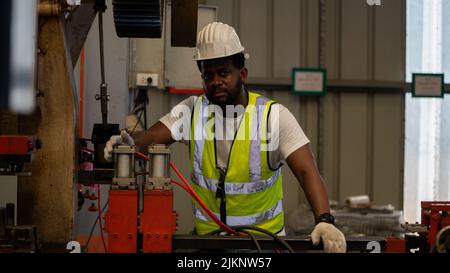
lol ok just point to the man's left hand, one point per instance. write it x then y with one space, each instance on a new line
333 239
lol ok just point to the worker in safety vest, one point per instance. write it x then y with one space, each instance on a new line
238 140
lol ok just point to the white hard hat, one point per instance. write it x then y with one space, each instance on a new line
217 40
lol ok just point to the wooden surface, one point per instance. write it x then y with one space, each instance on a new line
46 199
9 124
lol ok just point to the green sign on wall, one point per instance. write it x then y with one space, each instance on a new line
428 85
309 81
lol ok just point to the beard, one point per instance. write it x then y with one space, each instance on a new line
225 97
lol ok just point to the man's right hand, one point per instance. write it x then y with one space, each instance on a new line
123 139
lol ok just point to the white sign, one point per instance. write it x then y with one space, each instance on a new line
428 85
307 81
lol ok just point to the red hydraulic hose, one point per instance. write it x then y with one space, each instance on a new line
181 186
197 198
142 156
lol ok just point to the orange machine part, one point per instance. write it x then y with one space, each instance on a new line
15 145
395 245
121 221
158 221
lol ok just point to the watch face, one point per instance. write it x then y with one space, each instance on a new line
326 217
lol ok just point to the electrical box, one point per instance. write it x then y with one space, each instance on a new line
167 66
146 79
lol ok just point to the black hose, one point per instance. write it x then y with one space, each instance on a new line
282 242
253 238
244 228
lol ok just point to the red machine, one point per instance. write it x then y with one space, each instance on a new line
435 215
121 221
15 145
150 229
15 151
431 235
158 221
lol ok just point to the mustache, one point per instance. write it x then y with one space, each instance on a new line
215 90
218 89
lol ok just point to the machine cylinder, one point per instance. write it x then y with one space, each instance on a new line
159 165
123 166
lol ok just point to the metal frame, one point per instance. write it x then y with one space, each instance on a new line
298 243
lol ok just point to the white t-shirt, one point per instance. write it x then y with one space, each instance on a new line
291 135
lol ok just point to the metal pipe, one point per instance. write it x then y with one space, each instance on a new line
100 7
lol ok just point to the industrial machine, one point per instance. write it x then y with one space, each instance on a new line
431 235
15 150
152 228
141 219
155 224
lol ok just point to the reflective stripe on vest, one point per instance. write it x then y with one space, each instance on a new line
236 187
243 220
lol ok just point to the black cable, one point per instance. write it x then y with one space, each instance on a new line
244 228
138 121
253 238
282 242
145 117
141 97
102 53
95 224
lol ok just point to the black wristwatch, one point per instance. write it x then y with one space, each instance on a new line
325 217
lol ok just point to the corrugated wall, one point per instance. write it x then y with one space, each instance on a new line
357 136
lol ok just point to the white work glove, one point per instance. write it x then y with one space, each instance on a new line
124 139
332 238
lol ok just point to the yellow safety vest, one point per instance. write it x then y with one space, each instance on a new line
252 189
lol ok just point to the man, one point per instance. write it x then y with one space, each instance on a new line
237 141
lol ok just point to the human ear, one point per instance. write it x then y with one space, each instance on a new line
244 74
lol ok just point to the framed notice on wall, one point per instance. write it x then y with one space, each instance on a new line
428 85
309 81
